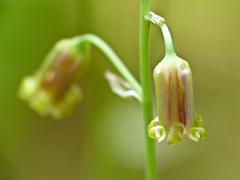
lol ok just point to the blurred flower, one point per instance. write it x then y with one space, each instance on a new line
53 90
174 93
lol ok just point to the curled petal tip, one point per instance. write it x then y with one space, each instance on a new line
197 133
153 123
157 132
198 121
176 134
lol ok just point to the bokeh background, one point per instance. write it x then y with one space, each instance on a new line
103 139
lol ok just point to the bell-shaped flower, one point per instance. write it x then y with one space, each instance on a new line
53 89
174 94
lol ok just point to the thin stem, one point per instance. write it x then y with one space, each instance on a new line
167 39
112 57
150 157
160 21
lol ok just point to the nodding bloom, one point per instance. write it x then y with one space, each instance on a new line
174 94
53 90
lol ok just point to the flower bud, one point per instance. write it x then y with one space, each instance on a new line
53 90
174 93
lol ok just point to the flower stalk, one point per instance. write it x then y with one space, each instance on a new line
53 89
150 155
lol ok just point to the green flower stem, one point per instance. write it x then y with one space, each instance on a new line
112 57
160 21
150 157
167 39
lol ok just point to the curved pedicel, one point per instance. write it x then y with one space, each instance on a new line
53 89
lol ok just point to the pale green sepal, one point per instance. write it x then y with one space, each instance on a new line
176 133
120 87
197 133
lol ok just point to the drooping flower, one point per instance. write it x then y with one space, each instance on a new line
53 89
174 94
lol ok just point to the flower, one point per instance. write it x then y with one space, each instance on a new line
53 89
174 93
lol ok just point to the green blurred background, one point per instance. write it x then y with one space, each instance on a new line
104 139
